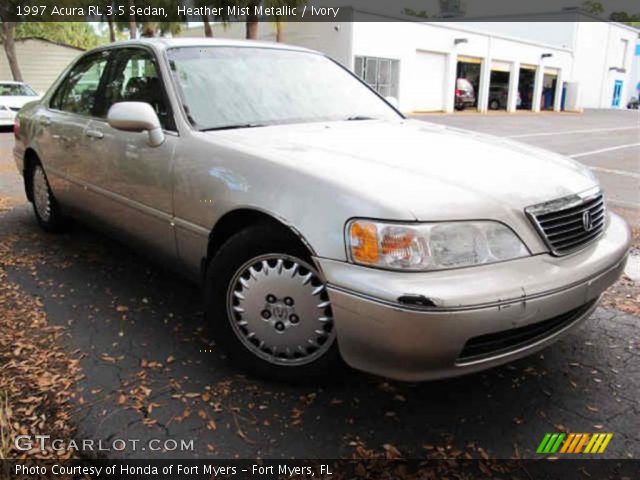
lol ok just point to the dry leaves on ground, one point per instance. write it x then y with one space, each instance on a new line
36 373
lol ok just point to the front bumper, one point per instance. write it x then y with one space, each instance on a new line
378 334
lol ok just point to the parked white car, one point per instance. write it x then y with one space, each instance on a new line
13 96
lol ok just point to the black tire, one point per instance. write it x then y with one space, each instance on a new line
494 105
232 257
50 218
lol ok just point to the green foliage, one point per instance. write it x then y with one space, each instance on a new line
593 7
624 17
414 13
78 34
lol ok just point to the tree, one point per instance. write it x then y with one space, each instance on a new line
593 7
109 18
148 25
624 17
153 29
133 25
252 20
8 29
280 23
7 38
78 34
112 29
217 4
414 13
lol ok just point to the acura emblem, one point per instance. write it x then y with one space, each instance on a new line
587 221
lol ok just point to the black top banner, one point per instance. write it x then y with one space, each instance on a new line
627 11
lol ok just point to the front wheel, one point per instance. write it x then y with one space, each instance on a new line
269 306
45 207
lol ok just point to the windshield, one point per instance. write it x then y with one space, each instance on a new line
227 87
16 90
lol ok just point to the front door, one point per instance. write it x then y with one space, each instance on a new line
137 184
617 92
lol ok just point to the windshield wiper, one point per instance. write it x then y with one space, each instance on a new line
233 127
359 117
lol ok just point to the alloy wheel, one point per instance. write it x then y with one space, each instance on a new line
41 194
280 310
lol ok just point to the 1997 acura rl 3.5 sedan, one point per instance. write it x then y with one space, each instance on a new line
322 223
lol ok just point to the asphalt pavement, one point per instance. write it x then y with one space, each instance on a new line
151 369
607 141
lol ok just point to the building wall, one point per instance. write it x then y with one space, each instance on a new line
599 61
557 33
596 46
41 62
408 42
587 54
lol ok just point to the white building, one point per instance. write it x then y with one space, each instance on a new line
530 65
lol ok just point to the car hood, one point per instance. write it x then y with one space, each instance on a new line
435 172
16 101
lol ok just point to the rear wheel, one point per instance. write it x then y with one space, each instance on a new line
45 207
270 308
494 105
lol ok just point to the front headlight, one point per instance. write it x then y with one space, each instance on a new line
431 246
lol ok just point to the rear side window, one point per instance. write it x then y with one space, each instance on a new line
79 90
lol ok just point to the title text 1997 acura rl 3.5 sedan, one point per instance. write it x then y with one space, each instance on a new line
323 225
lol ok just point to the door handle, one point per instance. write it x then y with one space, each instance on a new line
97 134
44 120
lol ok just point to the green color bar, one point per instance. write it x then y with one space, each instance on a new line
558 443
543 443
550 443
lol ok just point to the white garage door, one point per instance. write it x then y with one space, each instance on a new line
428 81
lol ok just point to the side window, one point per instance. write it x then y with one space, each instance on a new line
134 77
78 92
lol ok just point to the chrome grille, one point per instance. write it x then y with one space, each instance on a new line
570 223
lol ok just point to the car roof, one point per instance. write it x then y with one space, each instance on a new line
166 43
11 82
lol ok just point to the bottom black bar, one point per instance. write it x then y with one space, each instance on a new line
543 469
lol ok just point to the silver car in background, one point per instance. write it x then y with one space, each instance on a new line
323 225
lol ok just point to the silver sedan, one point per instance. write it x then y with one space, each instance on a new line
324 226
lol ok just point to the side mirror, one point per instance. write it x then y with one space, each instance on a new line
393 101
136 117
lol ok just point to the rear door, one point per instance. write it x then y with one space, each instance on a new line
63 124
